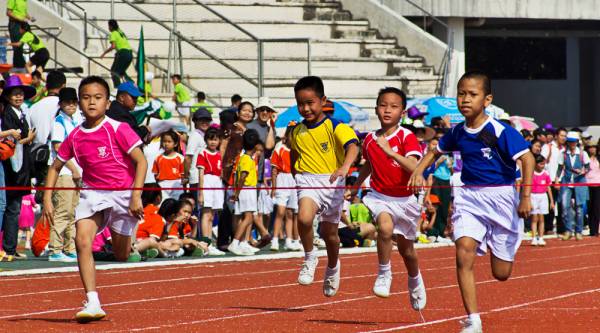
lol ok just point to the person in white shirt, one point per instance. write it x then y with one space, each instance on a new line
551 152
196 144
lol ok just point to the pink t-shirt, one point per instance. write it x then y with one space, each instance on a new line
102 153
540 182
100 240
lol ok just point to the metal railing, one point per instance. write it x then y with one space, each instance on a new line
445 66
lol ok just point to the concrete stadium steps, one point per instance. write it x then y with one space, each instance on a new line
295 67
295 12
244 48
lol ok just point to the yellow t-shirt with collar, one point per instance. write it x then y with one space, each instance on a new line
321 147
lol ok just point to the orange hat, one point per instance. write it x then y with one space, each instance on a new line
435 200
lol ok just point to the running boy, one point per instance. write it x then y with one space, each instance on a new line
391 154
485 214
323 149
109 154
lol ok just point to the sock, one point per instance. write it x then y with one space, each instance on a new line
310 255
275 240
206 240
385 268
413 282
235 242
474 317
92 297
288 241
334 270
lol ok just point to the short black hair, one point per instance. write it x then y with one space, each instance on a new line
479 75
241 106
251 139
173 136
91 80
36 74
168 208
539 158
525 133
236 99
538 131
351 180
151 194
113 25
201 96
55 80
313 83
561 129
392 90
187 196
211 133
176 76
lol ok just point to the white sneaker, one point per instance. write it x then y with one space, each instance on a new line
297 246
213 251
238 250
432 239
307 272
275 246
444 240
382 285
319 242
331 283
535 241
471 326
541 242
249 247
418 296
90 312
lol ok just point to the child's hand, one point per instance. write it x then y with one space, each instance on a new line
416 182
552 206
339 173
383 143
136 208
524 209
48 212
15 134
193 220
233 198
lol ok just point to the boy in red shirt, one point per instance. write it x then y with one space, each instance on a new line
391 154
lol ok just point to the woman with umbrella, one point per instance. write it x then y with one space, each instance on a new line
16 168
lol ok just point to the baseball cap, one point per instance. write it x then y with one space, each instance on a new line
129 88
67 94
201 114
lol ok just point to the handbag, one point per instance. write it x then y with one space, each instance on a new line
7 149
39 152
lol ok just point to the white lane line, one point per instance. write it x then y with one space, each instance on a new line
505 308
339 301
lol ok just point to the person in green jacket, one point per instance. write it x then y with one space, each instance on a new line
40 52
123 57
17 12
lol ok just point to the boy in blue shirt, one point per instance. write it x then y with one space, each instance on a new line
486 214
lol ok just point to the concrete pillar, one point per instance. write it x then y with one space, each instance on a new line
457 62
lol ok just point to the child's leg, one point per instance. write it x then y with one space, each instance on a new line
295 232
86 231
501 269
280 213
245 220
207 220
384 238
409 255
121 245
534 226
329 233
307 209
145 244
368 231
541 226
260 226
465 258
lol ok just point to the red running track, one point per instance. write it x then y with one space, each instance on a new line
553 289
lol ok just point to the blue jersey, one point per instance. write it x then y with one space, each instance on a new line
489 153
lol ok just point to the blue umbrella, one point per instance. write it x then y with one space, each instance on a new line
342 111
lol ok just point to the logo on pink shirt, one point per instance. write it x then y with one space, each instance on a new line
102 152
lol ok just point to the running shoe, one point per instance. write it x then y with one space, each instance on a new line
238 250
541 242
213 251
249 248
535 241
90 312
331 283
382 285
307 272
469 326
418 296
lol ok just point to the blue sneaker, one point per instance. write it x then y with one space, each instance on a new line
72 256
58 257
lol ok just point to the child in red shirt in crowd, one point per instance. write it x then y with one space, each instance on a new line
211 200
168 167
540 192
391 155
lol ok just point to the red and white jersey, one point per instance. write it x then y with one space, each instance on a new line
168 167
387 176
210 162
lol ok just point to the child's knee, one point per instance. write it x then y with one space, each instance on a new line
83 242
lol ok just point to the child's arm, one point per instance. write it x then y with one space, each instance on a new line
416 180
274 173
239 186
201 186
527 163
351 154
51 178
549 191
139 160
364 172
408 163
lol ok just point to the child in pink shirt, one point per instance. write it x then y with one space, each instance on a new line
109 154
540 192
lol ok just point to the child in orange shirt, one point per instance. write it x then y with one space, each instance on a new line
168 167
182 228
150 229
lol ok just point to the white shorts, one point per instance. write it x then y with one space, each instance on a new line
184 108
405 211
113 204
265 203
213 198
539 204
489 215
287 197
328 197
168 191
247 201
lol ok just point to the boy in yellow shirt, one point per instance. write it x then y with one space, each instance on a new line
245 196
323 149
